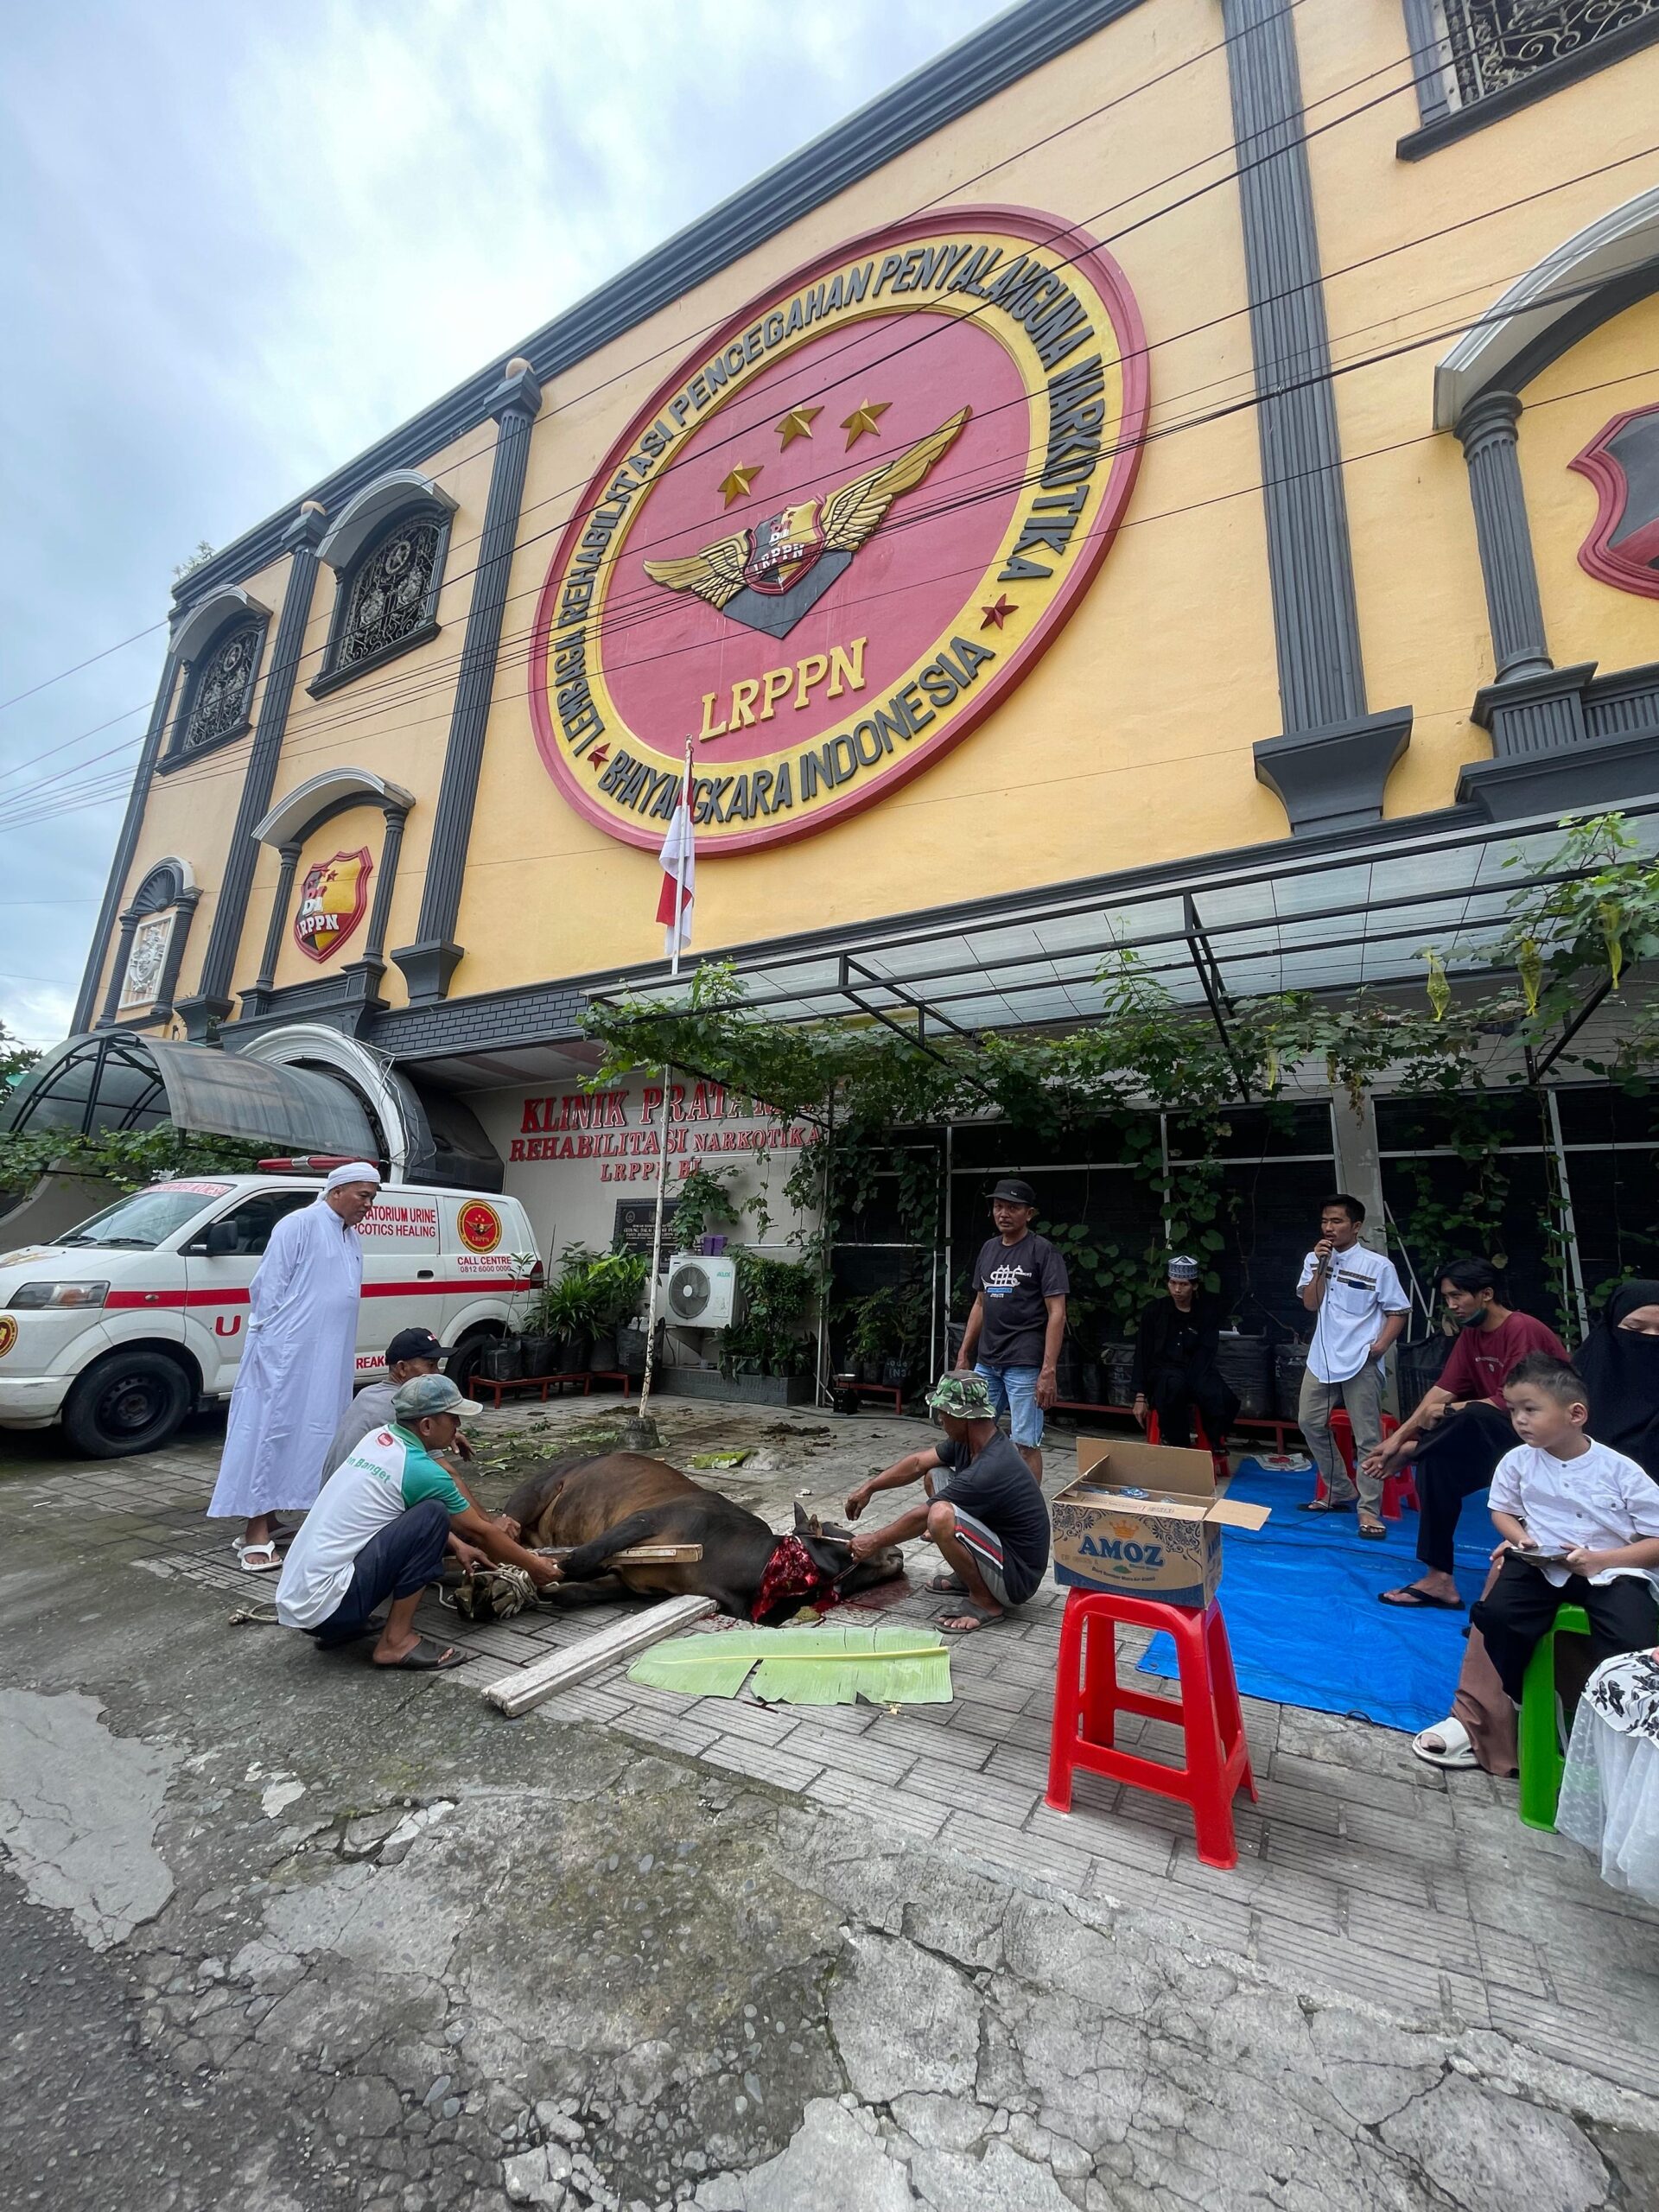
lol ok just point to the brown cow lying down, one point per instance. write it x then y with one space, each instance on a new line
605 1505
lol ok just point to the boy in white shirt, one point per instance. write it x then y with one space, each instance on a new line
1580 1525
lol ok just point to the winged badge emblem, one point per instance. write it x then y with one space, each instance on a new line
757 576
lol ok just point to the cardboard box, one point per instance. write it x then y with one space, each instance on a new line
1166 1545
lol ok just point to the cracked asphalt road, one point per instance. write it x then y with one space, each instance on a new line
283 1934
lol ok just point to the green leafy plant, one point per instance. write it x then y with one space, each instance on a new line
127 1158
777 1299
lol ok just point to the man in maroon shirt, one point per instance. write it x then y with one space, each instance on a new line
1461 1430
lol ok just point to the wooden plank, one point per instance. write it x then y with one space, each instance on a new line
636 1555
526 1687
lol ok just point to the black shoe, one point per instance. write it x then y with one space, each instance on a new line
1328 1505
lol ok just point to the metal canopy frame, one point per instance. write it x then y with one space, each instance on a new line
1337 922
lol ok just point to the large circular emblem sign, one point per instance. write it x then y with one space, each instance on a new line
479 1226
844 529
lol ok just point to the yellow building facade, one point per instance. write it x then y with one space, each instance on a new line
1161 442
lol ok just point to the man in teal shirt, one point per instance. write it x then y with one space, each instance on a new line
379 1529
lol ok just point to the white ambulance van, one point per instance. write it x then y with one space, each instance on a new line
137 1317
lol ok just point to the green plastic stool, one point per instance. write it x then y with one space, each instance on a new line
1541 1760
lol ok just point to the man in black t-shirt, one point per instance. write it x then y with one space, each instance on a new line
1018 1322
983 1511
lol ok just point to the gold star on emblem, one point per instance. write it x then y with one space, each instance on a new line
736 485
797 423
863 418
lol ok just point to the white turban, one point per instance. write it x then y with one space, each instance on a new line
359 1171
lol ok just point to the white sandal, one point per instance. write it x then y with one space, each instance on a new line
259 1558
1444 1744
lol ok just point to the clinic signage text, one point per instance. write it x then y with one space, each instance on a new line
620 1130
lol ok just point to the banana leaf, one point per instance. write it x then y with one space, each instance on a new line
834 1664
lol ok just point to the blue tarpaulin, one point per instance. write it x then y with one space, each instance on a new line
1299 1597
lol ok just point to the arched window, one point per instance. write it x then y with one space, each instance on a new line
387 596
387 550
219 702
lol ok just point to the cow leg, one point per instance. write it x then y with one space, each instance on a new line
601 1590
644 1528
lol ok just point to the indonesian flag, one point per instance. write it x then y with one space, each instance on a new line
678 858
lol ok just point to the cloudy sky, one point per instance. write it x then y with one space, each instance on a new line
241 243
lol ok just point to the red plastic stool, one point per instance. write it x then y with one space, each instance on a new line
1219 1460
1088 1696
1395 1486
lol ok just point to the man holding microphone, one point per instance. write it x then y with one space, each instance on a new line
1361 1309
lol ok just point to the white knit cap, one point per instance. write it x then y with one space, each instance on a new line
359 1171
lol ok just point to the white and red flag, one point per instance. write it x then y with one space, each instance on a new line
678 858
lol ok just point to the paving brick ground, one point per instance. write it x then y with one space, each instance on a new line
1361 1870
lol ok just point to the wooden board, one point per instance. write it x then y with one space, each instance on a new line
526 1687
636 1555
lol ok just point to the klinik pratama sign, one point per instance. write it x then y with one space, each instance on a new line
843 530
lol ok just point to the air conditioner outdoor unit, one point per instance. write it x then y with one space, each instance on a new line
702 1292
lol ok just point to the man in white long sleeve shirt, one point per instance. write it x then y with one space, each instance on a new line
296 1377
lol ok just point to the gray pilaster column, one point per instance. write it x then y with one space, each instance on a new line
126 846
184 913
213 1001
288 859
381 913
117 970
1332 762
1316 621
1488 435
430 962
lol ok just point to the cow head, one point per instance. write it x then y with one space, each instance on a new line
830 1548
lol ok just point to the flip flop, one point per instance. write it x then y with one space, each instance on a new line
1326 1505
969 1621
947 1585
1376 1536
425 1658
1411 1595
259 1558
1447 1743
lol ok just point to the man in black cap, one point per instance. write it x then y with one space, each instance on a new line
1015 1332
411 1352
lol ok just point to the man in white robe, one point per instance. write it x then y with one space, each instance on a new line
296 1377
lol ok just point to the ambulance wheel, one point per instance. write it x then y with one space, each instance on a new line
127 1402
463 1361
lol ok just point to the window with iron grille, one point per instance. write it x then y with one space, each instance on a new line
1471 52
220 700
392 591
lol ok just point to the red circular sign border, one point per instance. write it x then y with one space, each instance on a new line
1113 288
477 1206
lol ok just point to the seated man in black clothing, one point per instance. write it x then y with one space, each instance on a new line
1175 1370
1462 1429
985 1513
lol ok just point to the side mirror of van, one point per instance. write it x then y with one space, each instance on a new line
220 1238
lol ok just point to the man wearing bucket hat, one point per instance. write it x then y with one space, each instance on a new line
983 1511
1018 1323
379 1530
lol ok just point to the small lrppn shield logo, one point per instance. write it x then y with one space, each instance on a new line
1622 461
332 901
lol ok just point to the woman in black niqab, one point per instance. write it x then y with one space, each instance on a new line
1619 1362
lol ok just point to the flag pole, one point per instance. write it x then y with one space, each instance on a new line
642 1429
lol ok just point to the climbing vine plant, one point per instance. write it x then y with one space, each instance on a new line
1574 929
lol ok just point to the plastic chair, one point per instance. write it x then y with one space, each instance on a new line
1088 1697
1395 1486
1218 1460
1542 1757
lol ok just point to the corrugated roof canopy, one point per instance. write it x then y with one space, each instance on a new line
1332 924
